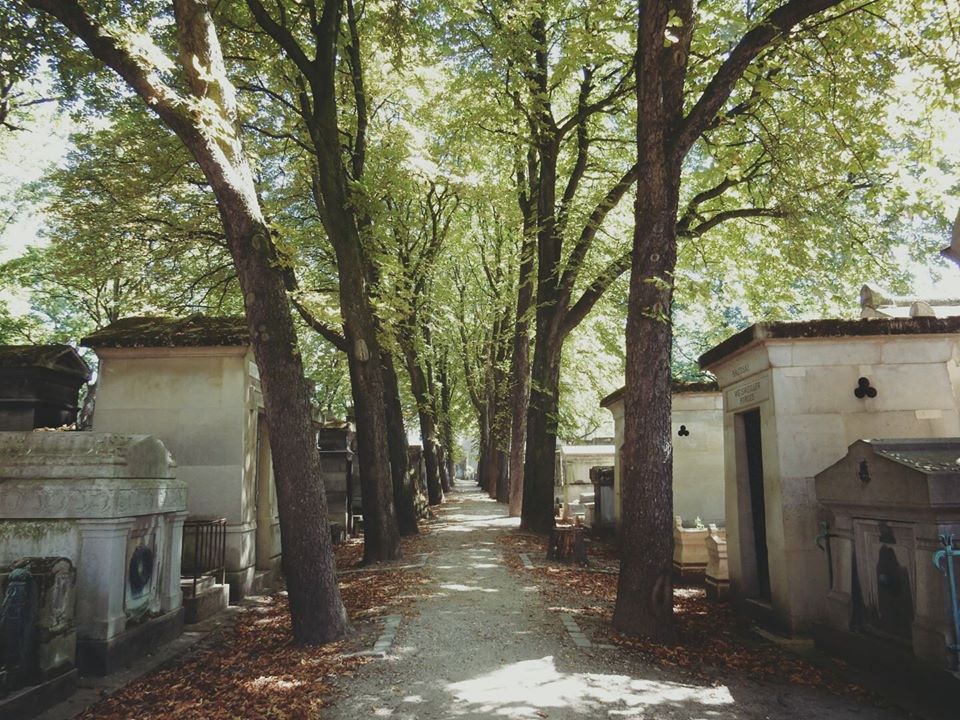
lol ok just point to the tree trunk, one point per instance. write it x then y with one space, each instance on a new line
503 476
403 490
428 428
381 535
315 606
645 590
445 477
520 375
316 609
446 423
541 450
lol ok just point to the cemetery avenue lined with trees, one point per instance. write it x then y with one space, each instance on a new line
460 225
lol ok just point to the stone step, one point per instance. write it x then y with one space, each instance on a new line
208 603
204 583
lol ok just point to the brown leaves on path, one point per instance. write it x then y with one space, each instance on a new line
709 636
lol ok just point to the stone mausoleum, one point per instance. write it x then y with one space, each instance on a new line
697 434
888 508
194 384
109 509
796 395
39 385
572 471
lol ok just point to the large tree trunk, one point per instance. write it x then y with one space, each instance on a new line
645 590
316 610
403 490
446 422
520 375
538 471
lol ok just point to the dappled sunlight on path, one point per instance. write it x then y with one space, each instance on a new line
483 644
527 688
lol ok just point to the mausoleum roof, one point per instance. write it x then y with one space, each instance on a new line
677 387
928 455
192 331
831 328
59 358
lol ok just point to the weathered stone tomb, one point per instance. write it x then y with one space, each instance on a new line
795 396
572 473
697 434
39 386
886 505
111 505
194 384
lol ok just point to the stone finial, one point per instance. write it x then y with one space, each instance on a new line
921 309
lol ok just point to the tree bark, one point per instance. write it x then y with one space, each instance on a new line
316 610
318 110
664 137
428 428
403 489
520 374
540 460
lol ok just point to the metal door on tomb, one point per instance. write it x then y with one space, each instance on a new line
883 581
750 481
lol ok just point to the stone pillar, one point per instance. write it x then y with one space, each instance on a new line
171 597
101 575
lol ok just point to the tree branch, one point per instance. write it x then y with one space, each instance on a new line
772 28
328 333
594 292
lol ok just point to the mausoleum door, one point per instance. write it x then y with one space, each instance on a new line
753 511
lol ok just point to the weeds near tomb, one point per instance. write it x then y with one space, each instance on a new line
254 670
710 639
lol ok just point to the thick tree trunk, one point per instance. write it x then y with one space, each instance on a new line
403 490
503 476
644 594
446 424
541 450
482 450
315 606
445 477
645 590
381 536
316 610
428 428
520 375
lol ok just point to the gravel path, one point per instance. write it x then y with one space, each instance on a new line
483 645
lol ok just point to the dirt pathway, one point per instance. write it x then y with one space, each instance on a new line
484 645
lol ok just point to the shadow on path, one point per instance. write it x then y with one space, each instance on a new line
483 646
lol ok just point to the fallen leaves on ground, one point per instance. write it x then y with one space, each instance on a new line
709 636
254 670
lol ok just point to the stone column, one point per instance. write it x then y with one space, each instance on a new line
101 578
171 597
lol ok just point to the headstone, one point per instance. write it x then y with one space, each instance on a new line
718 575
689 550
